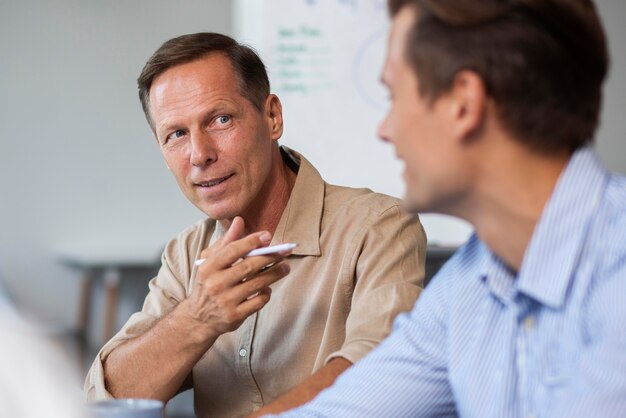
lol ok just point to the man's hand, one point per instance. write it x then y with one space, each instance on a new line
228 287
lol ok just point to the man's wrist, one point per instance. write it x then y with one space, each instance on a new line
198 331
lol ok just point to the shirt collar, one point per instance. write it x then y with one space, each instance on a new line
497 276
301 220
553 252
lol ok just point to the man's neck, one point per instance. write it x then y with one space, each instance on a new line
514 187
268 208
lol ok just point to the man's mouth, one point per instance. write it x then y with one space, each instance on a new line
214 182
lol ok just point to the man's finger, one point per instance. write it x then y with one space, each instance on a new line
235 231
245 289
221 258
255 303
252 266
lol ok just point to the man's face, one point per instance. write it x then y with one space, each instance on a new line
418 129
215 142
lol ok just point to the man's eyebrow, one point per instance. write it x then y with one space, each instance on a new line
164 126
220 107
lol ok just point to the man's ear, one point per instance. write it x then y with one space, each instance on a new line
274 116
469 101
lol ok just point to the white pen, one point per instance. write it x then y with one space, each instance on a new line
262 251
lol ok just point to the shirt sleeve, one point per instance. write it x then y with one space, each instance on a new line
405 376
166 290
388 277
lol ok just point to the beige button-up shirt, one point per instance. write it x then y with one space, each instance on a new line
359 262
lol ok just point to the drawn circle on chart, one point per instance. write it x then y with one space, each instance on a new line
366 68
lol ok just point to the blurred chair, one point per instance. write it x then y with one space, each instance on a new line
436 257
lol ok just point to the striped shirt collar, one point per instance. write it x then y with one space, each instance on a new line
555 247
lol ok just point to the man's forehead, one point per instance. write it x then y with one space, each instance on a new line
401 25
191 78
396 44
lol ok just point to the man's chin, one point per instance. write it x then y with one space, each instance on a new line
218 213
412 206
415 202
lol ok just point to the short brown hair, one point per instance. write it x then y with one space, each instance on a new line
542 61
251 74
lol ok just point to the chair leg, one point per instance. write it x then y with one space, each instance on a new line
111 288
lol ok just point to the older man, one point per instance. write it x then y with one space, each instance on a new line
494 107
358 261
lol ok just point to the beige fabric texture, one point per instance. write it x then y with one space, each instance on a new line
359 262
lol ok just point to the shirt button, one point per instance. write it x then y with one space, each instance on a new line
529 323
243 352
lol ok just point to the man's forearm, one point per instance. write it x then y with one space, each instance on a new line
155 364
306 390
228 288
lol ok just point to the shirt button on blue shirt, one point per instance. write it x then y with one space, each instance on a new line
529 322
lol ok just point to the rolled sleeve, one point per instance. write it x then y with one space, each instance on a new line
166 290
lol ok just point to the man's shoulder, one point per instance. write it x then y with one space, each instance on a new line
341 198
194 235
467 260
610 222
199 227
610 217
616 195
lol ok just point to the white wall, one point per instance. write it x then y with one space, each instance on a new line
78 162
612 133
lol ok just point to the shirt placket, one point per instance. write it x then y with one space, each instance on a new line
524 362
243 360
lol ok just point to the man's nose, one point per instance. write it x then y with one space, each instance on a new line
383 129
203 150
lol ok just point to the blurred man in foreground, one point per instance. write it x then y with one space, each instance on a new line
36 378
494 108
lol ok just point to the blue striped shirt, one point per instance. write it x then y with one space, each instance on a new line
483 341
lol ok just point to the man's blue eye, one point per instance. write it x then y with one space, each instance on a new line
179 133
223 119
